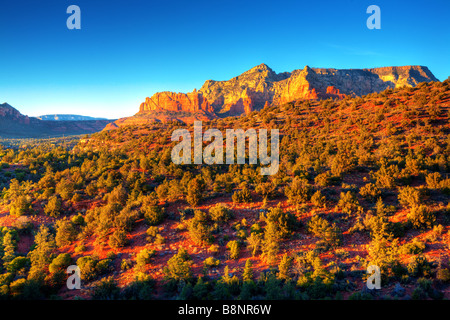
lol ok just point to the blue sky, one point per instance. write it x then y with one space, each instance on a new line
128 50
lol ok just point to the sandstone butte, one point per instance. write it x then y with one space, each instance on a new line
261 86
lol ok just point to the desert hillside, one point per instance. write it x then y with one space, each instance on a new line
362 181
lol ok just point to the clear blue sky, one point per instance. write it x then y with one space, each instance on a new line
128 50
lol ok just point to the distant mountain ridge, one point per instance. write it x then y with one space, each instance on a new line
13 124
67 117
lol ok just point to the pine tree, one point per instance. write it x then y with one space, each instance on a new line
195 191
285 268
247 275
271 242
43 253
9 247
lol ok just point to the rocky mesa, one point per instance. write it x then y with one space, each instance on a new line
261 85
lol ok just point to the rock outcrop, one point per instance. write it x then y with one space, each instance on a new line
259 86
171 101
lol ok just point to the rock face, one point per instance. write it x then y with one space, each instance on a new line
260 86
171 101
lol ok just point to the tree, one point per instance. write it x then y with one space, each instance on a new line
60 263
421 217
409 197
179 266
220 213
9 247
348 202
199 230
53 207
254 242
271 242
298 192
322 229
143 258
21 206
242 196
195 191
284 268
247 275
154 214
318 199
118 239
65 233
233 246
43 252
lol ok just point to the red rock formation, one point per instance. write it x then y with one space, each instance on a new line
171 101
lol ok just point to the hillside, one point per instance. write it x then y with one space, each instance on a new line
13 124
362 181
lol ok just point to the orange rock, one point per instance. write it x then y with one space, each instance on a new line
171 101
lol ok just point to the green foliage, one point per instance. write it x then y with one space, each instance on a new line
421 217
348 203
195 191
60 263
143 258
21 206
247 275
53 207
298 192
199 230
18 265
284 268
370 191
318 199
118 239
409 197
321 228
66 233
234 248
220 213
211 262
153 214
179 266
242 196
106 289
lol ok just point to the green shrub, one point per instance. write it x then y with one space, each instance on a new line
421 217
179 266
318 199
211 262
87 266
18 265
220 213
321 228
298 192
65 233
199 230
409 197
143 258
53 207
118 239
370 192
242 196
61 262
348 203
